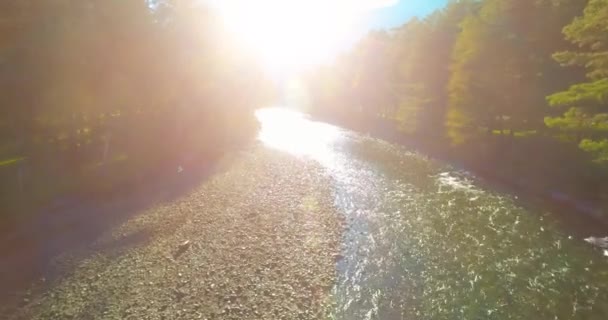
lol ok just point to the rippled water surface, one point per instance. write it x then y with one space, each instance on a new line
426 241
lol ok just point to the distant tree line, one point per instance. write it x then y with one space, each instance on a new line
96 93
514 87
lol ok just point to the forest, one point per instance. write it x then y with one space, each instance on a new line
516 90
98 95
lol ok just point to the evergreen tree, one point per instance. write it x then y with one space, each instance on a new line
586 119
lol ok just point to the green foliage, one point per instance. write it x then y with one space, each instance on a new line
589 94
587 116
500 63
599 149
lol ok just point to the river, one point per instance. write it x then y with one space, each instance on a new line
427 241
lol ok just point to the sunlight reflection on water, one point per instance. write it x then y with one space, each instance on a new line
287 130
427 241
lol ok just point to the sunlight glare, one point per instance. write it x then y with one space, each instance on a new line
288 35
291 132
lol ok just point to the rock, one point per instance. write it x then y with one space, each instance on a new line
179 295
181 249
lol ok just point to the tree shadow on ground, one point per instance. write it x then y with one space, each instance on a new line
28 252
119 245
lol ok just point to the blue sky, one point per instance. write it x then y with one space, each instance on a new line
396 15
388 17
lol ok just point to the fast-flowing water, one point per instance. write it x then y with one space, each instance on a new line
427 241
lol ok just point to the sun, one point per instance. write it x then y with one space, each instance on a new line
289 35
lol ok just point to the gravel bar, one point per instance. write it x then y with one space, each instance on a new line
259 240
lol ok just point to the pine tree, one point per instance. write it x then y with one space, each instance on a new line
586 119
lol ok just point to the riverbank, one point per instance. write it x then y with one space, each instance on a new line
257 240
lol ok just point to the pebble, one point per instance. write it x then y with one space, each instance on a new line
258 264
